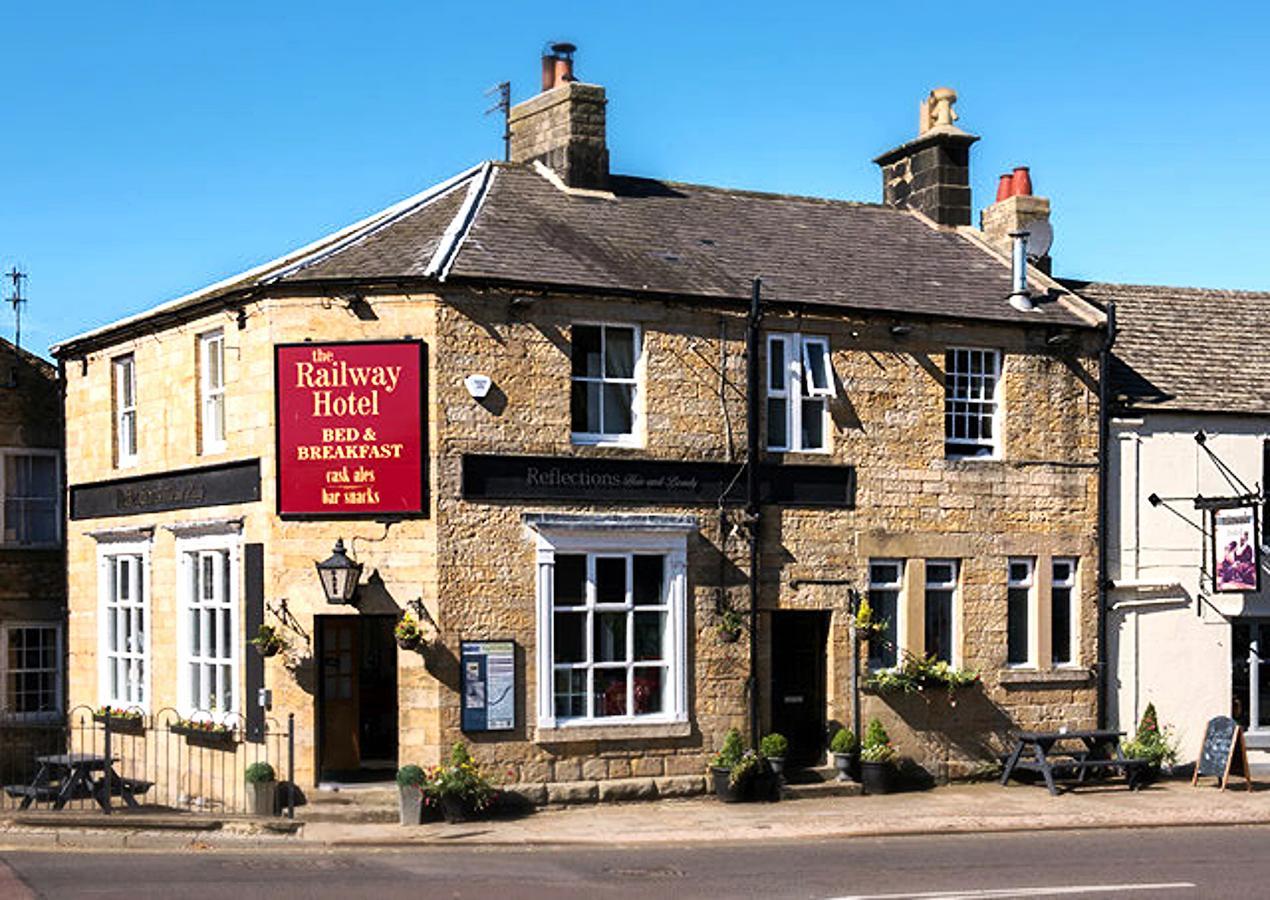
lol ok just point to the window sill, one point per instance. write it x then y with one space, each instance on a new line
1066 676
591 440
565 734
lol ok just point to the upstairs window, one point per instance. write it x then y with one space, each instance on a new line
604 392
211 353
1020 580
125 377
971 387
31 492
799 383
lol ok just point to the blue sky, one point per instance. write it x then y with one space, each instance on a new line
149 149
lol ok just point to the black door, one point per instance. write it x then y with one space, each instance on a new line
1243 631
798 683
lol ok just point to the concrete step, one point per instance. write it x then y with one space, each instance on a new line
353 804
816 790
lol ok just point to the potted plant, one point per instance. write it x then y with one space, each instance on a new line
917 674
459 787
410 780
268 641
773 747
730 625
721 767
877 768
739 775
1156 746
846 755
408 634
262 789
123 721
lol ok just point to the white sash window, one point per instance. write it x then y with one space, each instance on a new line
124 626
207 644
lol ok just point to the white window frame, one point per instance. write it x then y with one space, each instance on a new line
633 438
124 371
189 551
673 546
6 631
898 587
799 385
996 401
211 345
954 624
106 555
1071 584
1028 583
57 494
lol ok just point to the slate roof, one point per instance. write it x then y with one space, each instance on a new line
1188 349
510 224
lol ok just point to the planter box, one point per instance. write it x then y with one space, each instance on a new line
122 724
410 804
213 740
262 798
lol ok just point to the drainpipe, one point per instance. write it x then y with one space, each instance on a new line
753 449
1104 439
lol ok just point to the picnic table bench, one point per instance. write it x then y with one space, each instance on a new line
1052 755
63 777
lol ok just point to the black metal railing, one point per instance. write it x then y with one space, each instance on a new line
165 760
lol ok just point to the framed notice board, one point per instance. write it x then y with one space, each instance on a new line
488 671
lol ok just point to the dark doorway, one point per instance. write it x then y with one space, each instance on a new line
357 697
1243 631
798 683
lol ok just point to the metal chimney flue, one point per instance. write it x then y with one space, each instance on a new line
557 65
1020 299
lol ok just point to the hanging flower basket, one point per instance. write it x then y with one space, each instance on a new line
268 642
408 634
121 721
206 734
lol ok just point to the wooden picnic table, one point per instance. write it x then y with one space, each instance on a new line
1095 750
63 777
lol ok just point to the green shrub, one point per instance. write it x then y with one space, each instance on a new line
773 746
843 742
410 775
260 772
876 746
731 752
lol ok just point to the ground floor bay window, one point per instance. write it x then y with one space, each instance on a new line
612 629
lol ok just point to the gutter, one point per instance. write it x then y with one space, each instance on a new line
754 448
1104 579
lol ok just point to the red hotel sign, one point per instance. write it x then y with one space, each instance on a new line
350 428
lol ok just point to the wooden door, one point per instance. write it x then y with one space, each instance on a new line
340 749
798 683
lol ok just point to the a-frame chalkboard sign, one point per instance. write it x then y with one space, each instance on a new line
1223 753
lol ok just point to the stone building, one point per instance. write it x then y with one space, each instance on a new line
32 558
535 376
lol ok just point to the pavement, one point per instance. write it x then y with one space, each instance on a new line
954 809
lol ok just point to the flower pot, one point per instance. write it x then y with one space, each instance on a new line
410 804
848 766
723 789
454 809
213 740
777 764
410 643
729 637
877 777
267 650
262 798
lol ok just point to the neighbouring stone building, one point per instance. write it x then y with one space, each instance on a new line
32 559
1190 420
570 523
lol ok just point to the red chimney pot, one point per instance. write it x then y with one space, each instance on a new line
1022 181
1005 187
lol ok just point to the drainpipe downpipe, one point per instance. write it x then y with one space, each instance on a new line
1104 440
753 450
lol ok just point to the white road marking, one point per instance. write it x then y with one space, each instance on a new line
1041 891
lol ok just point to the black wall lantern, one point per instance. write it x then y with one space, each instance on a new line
339 575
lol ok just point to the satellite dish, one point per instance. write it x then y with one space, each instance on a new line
1040 237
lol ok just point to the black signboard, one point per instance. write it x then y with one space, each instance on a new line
234 482
489 685
573 479
1223 752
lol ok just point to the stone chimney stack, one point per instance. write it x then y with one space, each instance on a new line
563 127
931 173
1015 209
